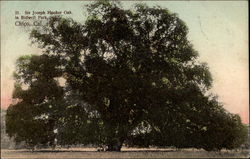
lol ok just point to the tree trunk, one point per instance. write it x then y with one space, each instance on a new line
115 146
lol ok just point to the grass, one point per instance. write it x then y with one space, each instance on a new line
125 153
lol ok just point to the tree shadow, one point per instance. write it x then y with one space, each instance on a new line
77 151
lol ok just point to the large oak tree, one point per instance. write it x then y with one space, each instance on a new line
131 76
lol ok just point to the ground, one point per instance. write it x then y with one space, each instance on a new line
75 153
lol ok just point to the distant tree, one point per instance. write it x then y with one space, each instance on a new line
130 74
6 142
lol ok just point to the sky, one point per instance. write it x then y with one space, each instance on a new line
218 30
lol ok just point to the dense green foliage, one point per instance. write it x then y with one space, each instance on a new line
131 76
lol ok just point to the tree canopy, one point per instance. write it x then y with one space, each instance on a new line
131 77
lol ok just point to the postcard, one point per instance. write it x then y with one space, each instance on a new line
124 79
